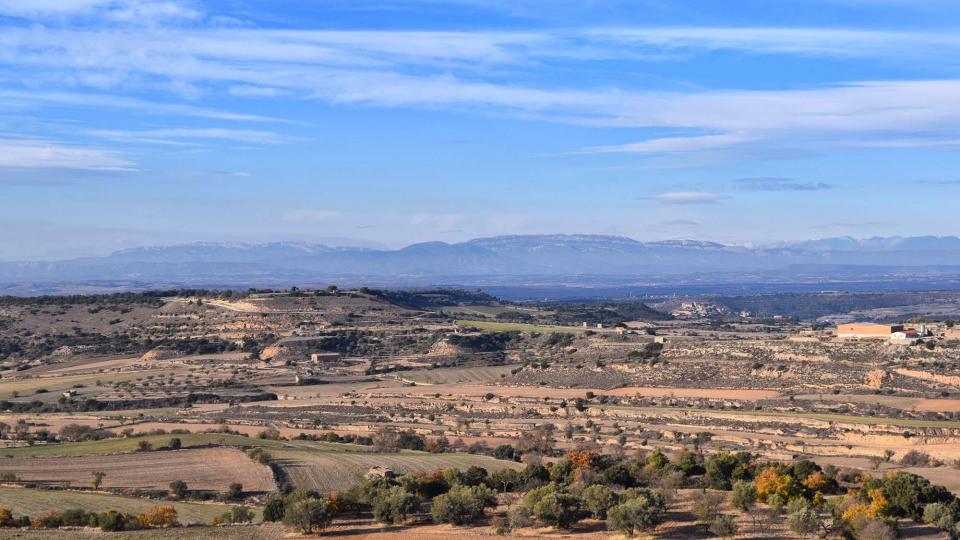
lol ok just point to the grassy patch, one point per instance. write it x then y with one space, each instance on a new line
328 471
472 375
34 502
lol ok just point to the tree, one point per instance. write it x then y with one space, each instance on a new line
803 521
308 514
235 491
273 511
618 474
744 495
598 499
639 513
179 489
459 506
474 476
175 443
505 480
558 509
706 507
144 446
98 479
393 505
505 451
771 481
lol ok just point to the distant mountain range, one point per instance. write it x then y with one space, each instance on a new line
526 258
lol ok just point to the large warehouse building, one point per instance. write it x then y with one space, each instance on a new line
868 330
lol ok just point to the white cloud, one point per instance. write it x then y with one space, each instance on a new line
773 183
465 70
28 153
19 100
123 11
688 197
255 91
668 145
162 135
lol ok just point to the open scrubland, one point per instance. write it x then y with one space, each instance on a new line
108 402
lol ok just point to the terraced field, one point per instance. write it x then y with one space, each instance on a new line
519 327
188 440
211 469
469 375
334 471
33 502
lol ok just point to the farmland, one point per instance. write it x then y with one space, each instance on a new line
409 388
209 469
335 471
36 501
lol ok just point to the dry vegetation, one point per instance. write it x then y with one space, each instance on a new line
461 373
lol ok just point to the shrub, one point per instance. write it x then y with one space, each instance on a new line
915 458
260 455
597 499
519 517
393 505
112 521
6 517
178 488
308 514
237 514
723 525
235 491
159 516
558 509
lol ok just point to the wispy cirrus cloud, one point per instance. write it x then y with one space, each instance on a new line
688 197
179 134
45 154
773 183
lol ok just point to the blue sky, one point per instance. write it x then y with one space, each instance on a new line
386 122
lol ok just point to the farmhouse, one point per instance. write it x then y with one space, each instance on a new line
906 337
318 358
867 330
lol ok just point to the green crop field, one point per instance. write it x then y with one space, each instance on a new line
472 375
518 327
189 440
34 502
334 471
